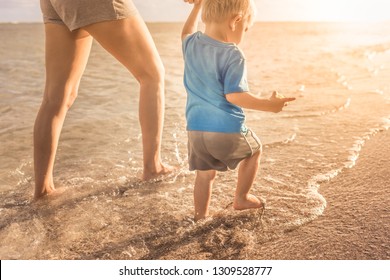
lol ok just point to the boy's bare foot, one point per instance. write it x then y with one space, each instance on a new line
247 202
161 171
200 216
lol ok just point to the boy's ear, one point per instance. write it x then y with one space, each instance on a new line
233 22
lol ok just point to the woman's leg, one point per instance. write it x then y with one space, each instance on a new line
130 42
66 57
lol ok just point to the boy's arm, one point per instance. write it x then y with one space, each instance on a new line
191 25
246 100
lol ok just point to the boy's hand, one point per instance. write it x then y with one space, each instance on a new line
195 2
278 101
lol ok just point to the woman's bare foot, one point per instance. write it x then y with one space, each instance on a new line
161 171
247 202
48 193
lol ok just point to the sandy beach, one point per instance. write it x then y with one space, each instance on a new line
356 222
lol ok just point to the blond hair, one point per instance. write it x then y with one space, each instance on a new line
220 10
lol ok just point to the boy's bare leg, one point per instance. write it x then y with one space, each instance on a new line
246 175
130 42
66 57
202 193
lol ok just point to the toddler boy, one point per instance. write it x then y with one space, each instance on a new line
217 90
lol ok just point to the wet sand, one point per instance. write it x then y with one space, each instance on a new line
356 222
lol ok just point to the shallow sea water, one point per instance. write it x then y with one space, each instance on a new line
338 73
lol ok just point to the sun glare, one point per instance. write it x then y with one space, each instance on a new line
352 10
325 10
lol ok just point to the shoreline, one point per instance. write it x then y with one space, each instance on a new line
355 225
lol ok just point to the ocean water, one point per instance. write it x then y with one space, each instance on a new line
339 73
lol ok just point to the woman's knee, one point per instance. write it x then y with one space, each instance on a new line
71 99
152 75
58 98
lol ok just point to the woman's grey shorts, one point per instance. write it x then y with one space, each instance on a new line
79 13
220 151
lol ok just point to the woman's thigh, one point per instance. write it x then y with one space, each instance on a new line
130 42
66 56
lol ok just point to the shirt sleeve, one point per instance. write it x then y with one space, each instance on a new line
235 79
186 42
184 45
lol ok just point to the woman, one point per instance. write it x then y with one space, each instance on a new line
70 26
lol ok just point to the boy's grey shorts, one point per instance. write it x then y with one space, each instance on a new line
79 13
220 151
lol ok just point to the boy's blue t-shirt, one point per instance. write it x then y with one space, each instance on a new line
212 70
